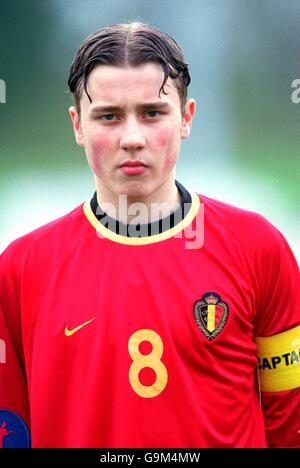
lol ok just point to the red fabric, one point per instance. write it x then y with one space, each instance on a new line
75 391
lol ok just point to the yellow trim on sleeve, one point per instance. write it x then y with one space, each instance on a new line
279 361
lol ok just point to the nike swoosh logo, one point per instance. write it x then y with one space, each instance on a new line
74 330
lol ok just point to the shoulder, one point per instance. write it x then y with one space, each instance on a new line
249 228
257 251
222 212
50 240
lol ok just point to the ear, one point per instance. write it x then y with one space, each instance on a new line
76 126
190 109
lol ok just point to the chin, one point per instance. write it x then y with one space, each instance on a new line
135 190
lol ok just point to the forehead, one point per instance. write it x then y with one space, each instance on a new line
132 84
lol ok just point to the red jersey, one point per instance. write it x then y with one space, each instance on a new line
111 341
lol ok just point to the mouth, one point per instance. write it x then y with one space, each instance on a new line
133 167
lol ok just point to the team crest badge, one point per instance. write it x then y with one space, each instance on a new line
211 314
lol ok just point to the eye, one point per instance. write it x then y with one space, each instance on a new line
107 117
152 113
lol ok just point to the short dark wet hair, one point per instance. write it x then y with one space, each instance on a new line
129 44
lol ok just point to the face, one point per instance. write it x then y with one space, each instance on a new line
130 134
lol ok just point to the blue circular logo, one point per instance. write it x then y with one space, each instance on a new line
13 431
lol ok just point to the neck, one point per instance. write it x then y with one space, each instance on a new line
143 209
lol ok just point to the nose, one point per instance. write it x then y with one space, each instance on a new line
132 136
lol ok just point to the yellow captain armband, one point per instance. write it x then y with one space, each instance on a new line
279 361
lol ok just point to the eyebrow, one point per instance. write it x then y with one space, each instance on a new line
148 105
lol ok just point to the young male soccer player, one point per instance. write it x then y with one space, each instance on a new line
118 321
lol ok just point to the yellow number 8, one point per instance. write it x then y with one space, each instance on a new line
152 360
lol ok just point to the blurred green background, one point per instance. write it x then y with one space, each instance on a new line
245 145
